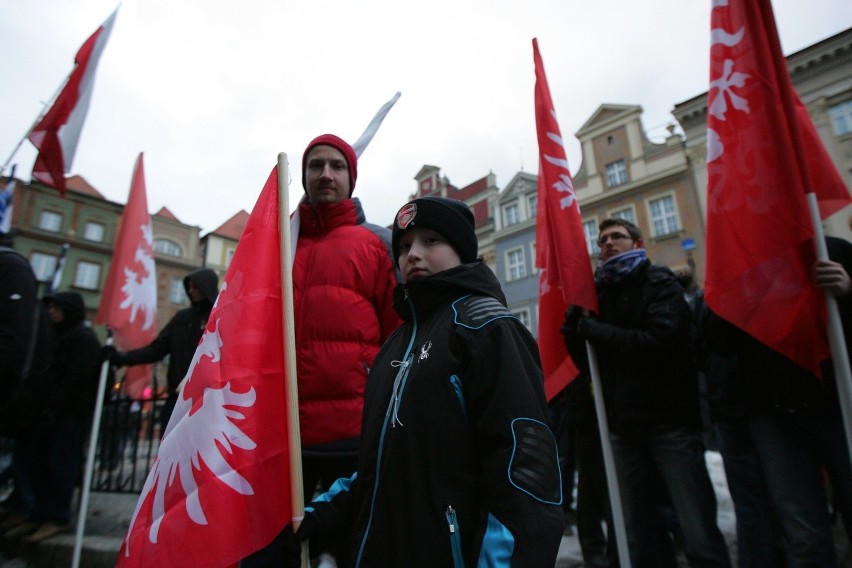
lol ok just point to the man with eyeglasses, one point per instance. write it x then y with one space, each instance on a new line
648 373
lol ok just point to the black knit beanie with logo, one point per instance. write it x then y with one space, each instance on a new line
449 217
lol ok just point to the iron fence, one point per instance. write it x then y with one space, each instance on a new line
128 441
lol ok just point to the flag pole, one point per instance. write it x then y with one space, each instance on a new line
609 461
836 337
90 461
291 386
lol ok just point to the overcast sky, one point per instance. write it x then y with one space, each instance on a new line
212 90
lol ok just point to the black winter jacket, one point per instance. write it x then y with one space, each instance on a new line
644 350
74 372
457 461
180 337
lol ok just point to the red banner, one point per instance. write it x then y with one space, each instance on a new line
129 300
566 270
220 488
763 156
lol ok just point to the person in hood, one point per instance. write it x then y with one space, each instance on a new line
51 453
179 338
458 466
343 281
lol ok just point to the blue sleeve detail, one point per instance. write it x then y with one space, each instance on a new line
339 486
534 467
498 545
456 383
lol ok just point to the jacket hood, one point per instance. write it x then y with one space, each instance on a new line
71 304
438 289
207 282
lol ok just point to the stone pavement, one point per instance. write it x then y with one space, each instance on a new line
110 513
109 517
107 520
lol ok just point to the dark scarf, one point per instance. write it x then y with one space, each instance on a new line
620 266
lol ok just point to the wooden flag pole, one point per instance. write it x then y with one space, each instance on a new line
609 461
291 386
840 357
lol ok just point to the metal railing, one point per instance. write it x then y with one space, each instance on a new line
128 441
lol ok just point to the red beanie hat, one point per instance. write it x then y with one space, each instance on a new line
338 144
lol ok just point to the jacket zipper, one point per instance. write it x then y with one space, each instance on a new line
455 537
379 453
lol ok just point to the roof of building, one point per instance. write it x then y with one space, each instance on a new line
233 227
164 212
80 185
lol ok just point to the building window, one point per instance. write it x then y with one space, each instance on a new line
50 221
532 202
516 267
616 173
230 257
590 228
94 232
625 214
168 247
841 118
511 215
87 276
664 216
524 317
43 266
177 292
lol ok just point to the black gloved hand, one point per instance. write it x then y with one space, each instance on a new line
107 353
572 319
116 358
292 541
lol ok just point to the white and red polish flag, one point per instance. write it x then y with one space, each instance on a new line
763 156
561 250
129 301
220 486
57 133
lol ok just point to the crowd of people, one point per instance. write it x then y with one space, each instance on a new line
426 435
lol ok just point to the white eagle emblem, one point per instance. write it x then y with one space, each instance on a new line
209 432
140 291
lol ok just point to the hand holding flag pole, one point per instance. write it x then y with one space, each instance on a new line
836 337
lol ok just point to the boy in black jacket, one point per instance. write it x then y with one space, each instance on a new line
457 462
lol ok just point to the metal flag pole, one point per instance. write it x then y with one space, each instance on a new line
837 340
609 461
90 461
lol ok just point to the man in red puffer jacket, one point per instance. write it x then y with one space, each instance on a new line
343 281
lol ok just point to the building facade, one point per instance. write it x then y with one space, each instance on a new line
514 216
218 246
88 223
623 174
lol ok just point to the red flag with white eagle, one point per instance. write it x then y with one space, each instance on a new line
763 156
566 271
57 133
129 300
219 488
